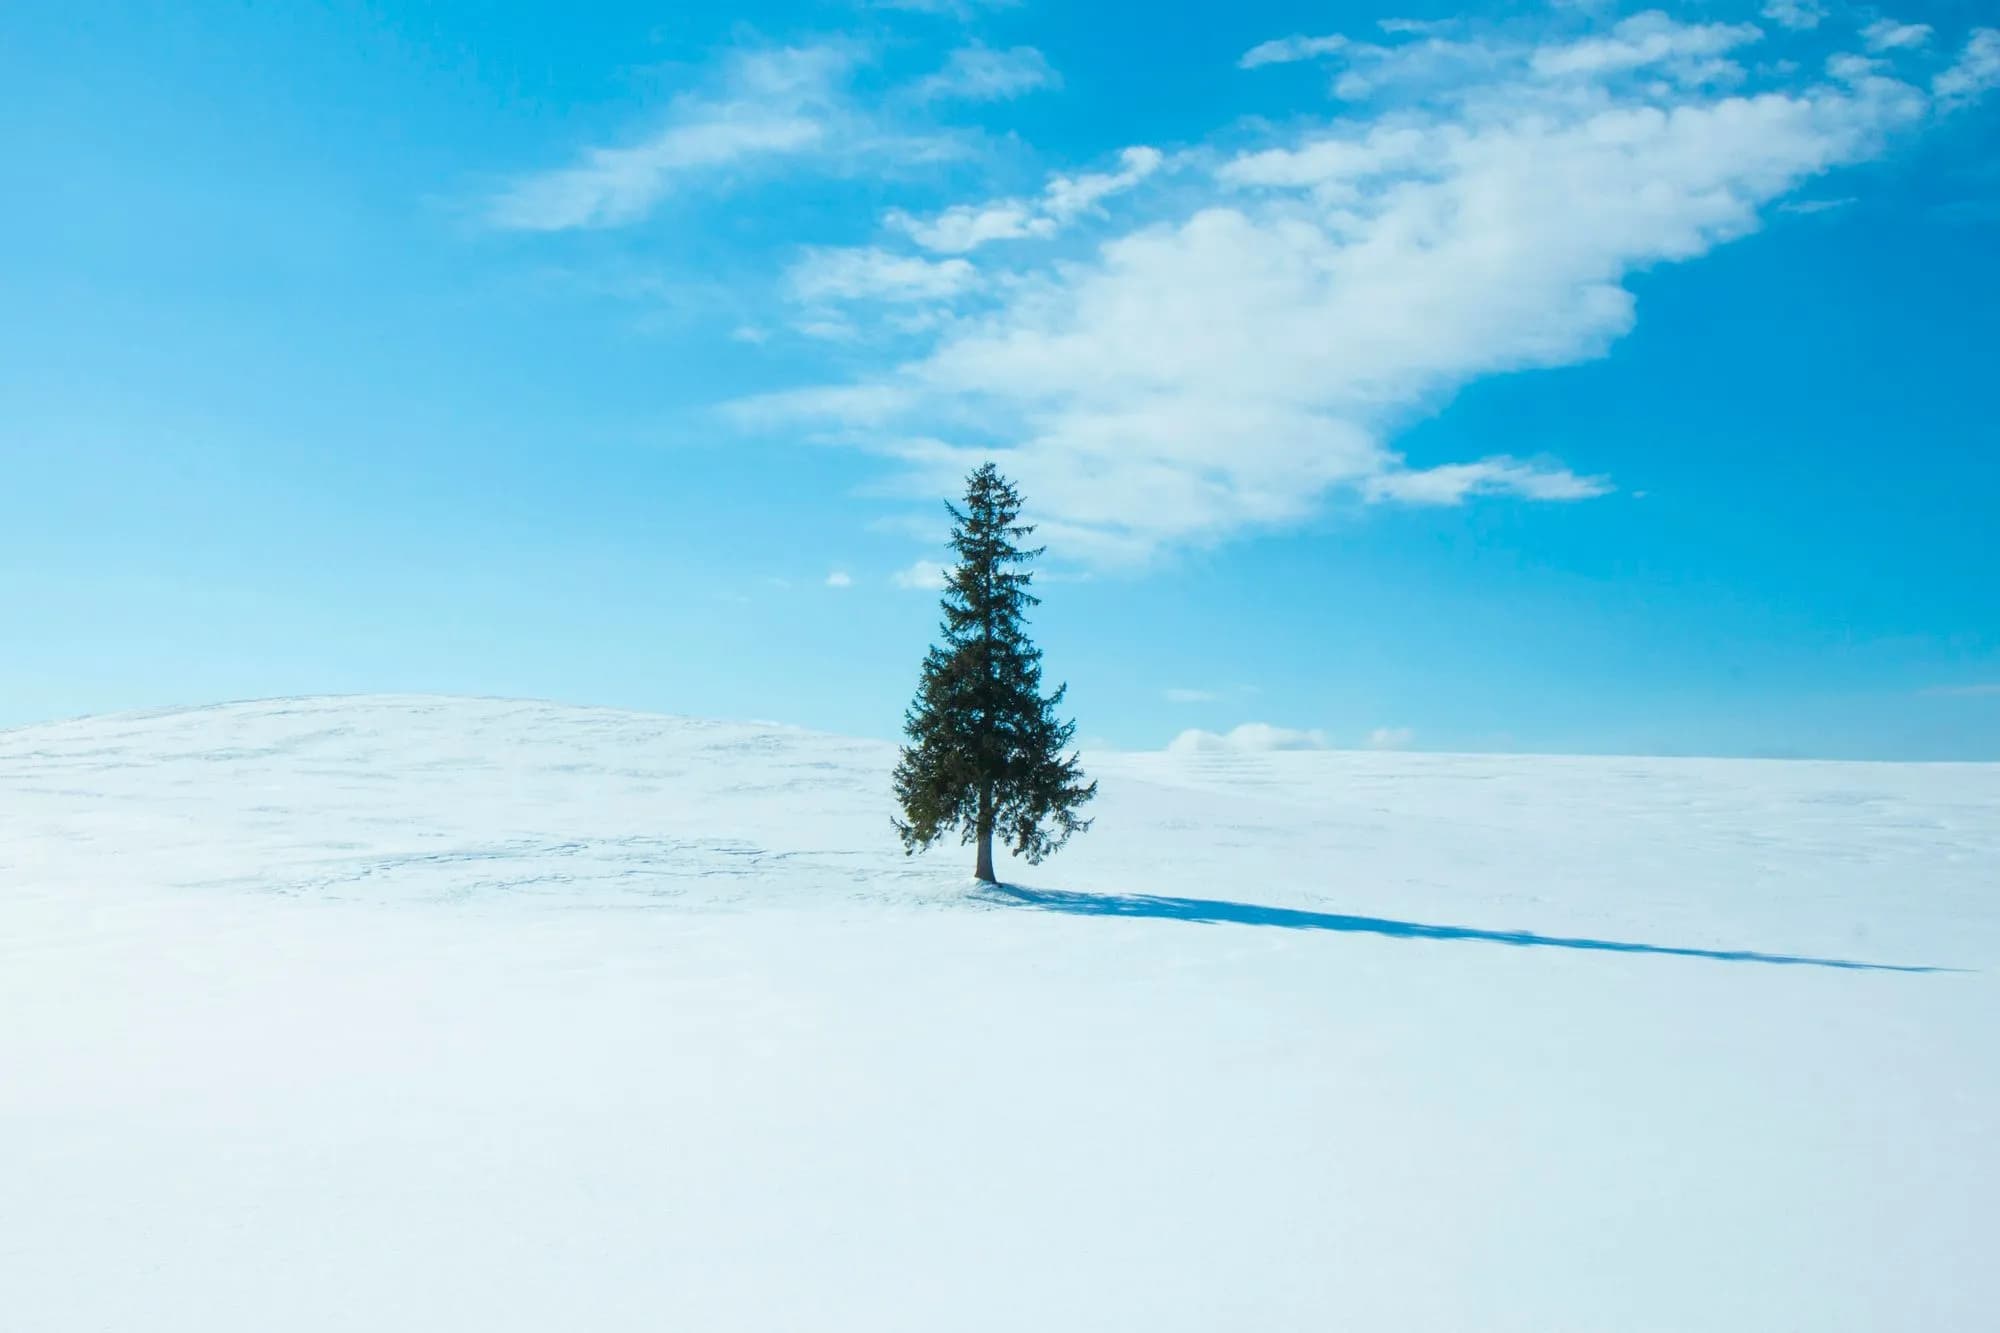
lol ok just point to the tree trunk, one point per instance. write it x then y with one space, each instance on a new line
985 871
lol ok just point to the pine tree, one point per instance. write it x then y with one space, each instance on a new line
986 748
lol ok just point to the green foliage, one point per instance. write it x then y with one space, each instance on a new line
986 750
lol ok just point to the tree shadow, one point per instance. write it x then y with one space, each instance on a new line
1208 911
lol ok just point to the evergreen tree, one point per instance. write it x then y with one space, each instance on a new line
986 748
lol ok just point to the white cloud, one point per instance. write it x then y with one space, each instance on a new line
910 295
980 73
1253 737
1391 738
828 327
839 578
1975 72
1186 696
1067 197
1889 35
1418 27
1798 15
1810 207
923 574
965 227
1451 483
1689 54
1289 50
613 186
771 103
1853 69
1255 338
855 274
1647 39
765 106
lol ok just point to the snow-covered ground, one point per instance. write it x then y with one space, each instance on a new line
428 1014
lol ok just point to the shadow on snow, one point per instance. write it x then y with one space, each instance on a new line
1210 911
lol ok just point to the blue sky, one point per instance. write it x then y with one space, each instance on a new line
1562 378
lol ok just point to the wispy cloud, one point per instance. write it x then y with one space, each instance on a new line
1290 50
761 108
768 103
1416 27
840 578
1649 40
613 186
1799 15
1975 73
842 274
1243 343
925 575
1452 483
1691 55
1065 198
1889 35
980 73
1391 738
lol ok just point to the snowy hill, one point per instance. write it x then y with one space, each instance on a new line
435 1013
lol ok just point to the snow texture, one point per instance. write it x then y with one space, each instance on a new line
414 1013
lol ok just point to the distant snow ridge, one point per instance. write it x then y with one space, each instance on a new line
452 798
432 798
